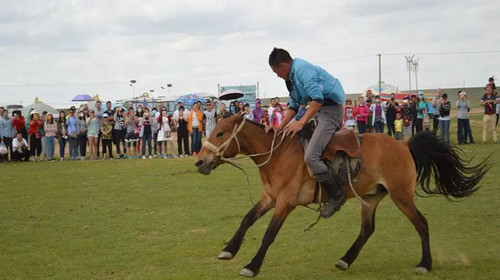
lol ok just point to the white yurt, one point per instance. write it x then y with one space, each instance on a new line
40 107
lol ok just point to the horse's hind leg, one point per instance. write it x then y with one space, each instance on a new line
260 208
367 228
407 206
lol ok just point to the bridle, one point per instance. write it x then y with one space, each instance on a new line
219 151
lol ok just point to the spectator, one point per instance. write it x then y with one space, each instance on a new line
165 132
436 103
131 137
19 124
62 136
139 114
146 134
258 111
413 107
421 109
209 118
183 133
407 115
20 147
195 128
7 133
120 132
369 96
278 116
73 134
390 114
36 124
42 131
176 115
349 119
248 115
463 122
369 123
398 127
361 113
93 133
444 117
232 107
489 101
498 107
264 120
155 126
98 112
106 132
223 113
272 107
50 128
81 125
378 119
241 108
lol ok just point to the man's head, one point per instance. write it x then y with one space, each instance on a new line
247 108
179 104
273 102
491 80
181 109
488 89
444 96
439 92
413 99
280 62
209 105
2 109
98 105
393 96
19 135
369 93
108 105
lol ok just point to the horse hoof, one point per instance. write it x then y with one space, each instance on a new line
342 265
225 256
247 273
421 270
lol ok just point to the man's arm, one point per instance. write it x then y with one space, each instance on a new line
295 127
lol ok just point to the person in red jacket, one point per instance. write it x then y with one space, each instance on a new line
361 112
19 124
36 125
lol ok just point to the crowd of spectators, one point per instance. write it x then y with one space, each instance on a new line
91 132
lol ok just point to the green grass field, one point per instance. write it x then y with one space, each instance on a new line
159 219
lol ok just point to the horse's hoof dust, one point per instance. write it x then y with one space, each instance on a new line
225 256
421 270
342 265
247 273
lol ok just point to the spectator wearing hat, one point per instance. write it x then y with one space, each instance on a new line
36 124
349 120
20 148
361 113
50 128
257 111
463 122
421 110
444 117
106 132
7 133
390 113
489 102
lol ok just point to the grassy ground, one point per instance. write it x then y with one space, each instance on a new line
159 219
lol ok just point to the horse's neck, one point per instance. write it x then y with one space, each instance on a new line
254 141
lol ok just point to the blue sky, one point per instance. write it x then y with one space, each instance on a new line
57 49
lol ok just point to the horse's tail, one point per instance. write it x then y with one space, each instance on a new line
438 160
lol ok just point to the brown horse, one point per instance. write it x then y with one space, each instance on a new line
388 167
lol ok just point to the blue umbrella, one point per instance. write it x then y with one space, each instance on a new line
82 97
190 99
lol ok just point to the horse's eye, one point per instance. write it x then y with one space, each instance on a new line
219 135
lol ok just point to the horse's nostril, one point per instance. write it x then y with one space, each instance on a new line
198 163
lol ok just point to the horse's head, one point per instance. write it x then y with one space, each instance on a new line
222 143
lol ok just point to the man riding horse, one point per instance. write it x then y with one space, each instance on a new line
310 83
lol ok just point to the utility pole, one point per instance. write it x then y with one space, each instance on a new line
409 61
415 69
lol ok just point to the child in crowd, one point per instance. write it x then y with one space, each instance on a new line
398 127
349 119
106 130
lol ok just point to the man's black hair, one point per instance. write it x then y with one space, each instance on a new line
278 56
246 105
181 108
108 102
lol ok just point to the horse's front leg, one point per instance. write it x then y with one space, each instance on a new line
260 208
281 211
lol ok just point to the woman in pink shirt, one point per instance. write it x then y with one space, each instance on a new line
50 128
361 112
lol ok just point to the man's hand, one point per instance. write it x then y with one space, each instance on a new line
293 127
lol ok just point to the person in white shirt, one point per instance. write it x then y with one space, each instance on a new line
175 117
209 118
20 148
271 108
